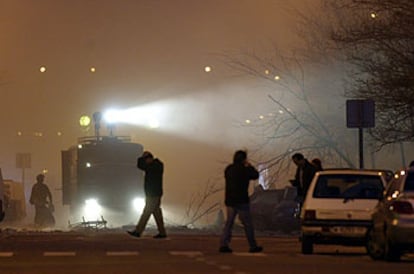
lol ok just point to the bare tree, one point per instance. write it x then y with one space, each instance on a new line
297 123
376 38
203 203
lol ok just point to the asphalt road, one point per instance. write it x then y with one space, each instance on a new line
116 252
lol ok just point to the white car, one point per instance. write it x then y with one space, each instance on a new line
338 207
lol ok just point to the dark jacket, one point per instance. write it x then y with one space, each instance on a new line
238 177
153 176
40 195
308 172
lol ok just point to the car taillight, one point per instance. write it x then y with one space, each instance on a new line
402 207
310 215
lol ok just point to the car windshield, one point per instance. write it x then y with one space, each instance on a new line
348 186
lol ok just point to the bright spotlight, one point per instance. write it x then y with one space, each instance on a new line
92 210
112 116
138 204
147 115
153 123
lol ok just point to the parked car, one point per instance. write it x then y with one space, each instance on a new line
392 233
274 210
338 207
388 174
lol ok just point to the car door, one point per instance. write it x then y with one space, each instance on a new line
382 214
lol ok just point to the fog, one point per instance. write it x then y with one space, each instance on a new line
146 54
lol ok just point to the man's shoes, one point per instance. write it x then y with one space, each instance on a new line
225 249
256 249
134 233
160 236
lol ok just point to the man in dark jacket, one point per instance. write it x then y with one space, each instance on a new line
238 176
41 198
303 177
154 170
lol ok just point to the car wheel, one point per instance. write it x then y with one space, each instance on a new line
307 245
374 247
392 252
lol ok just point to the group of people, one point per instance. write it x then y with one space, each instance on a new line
237 178
304 174
237 175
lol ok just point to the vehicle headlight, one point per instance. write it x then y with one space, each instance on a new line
92 210
138 204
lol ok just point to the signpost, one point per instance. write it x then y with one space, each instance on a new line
23 161
360 114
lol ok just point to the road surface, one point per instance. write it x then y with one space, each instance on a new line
116 252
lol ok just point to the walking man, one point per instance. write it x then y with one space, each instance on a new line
41 198
303 177
238 175
154 170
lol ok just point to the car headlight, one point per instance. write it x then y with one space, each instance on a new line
138 204
92 209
